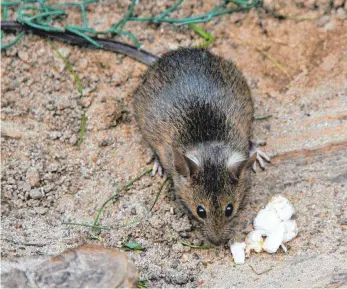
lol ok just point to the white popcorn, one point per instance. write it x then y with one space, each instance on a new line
272 222
238 252
254 241
274 240
282 207
266 221
290 230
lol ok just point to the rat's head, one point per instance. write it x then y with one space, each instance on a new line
211 183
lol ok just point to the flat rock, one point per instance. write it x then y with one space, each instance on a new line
85 266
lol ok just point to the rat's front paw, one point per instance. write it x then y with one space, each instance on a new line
261 156
157 168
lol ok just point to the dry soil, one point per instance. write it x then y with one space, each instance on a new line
47 180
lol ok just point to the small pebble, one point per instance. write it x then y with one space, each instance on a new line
23 55
73 139
54 135
37 194
32 177
40 210
133 211
185 258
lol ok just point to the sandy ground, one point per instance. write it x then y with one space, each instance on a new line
47 180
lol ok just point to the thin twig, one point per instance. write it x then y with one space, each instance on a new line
24 244
204 34
274 61
262 117
82 129
135 222
195 246
87 225
260 273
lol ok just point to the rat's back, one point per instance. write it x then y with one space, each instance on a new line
190 96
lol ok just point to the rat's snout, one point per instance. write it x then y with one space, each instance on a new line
217 237
216 240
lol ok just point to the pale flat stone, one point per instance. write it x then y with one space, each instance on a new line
89 266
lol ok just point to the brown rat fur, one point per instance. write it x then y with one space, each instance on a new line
195 111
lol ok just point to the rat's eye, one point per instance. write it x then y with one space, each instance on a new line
201 212
229 210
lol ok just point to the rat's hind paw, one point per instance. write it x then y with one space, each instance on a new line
261 156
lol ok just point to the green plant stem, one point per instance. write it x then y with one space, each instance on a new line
116 195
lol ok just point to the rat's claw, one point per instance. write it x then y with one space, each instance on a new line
261 156
254 166
260 160
157 168
160 171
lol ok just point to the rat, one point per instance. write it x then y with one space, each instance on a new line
195 111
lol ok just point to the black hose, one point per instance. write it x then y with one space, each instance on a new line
73 39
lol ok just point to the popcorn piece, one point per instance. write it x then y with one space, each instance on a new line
238 252
290 230
272 222
274 240
266 221
254 241
282 206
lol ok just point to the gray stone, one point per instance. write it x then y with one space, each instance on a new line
40 210
14 279
133 211
88 266
37 194
54 135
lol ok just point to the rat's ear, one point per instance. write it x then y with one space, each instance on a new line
184 165
235 166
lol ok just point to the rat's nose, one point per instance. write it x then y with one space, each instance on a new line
216 239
